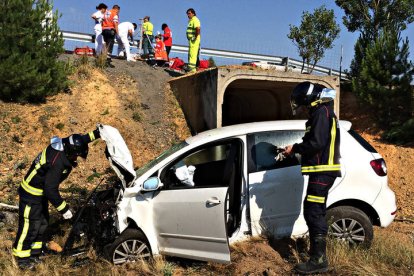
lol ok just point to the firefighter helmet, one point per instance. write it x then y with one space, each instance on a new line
304 94
75 146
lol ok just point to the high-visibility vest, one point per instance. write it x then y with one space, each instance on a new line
193 24
160 52
109 20
148 28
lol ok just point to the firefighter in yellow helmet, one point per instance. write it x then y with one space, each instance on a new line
41 186
193 36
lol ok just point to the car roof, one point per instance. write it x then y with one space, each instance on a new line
243 129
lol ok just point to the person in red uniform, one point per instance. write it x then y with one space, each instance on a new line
167 38
160 52
41 186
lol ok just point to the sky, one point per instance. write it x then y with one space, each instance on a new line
259 26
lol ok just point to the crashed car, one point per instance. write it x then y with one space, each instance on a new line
224 185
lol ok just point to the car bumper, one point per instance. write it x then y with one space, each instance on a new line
386 206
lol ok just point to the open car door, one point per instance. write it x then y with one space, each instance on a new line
190 217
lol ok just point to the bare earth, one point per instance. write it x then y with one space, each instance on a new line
136 99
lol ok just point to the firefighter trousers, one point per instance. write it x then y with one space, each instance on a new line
314 206
193 54
33 221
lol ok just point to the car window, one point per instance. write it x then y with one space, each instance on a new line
210 165
263 147
157 160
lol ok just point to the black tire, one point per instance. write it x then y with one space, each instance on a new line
130 246
350 225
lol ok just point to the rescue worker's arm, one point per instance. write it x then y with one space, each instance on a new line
51 189
116 23
91 136
197 32
131 35
317 137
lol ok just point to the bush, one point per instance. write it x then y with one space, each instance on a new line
30 42
401 134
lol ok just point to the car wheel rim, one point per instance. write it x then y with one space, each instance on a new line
348 230
130 251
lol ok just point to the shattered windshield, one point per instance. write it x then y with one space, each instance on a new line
157 160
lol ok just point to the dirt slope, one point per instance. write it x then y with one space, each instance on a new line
131 97
135 99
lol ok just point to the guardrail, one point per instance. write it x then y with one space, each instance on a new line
223 54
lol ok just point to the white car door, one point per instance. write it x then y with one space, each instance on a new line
190 210
276 188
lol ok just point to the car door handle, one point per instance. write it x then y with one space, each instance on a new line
213 201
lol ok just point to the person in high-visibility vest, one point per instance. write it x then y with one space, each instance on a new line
321 162
110 27
147 36
41 186
194 38
161 56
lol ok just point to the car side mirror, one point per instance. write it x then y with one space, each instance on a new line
151 184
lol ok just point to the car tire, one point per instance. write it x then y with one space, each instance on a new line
350 225
130 246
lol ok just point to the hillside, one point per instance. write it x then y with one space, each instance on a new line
136 99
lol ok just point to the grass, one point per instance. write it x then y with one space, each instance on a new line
60 126
392 253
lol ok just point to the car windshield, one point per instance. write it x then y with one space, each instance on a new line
157 160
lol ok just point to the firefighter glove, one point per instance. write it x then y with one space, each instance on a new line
68 214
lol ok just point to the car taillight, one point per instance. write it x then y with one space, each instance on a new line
379 166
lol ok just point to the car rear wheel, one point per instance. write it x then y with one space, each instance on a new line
130 246
350 225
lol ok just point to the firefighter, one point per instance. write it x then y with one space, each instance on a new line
320 161
40 186
194 38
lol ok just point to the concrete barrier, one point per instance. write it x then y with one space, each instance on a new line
231 95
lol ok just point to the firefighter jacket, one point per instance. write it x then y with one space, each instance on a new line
320 146
48 170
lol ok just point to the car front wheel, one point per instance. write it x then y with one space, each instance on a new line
350 225
130 246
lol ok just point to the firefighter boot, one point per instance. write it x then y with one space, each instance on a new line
25 264
317 262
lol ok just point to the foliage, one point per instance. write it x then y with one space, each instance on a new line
211 62
30 42
315 34
401 134
372 17
385 77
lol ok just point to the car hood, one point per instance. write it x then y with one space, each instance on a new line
118 154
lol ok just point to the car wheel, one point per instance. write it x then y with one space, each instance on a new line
350 225
130 246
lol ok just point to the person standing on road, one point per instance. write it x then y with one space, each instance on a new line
194 38
147 36
320 160
41 185
167 38
125 29
110 27
98 17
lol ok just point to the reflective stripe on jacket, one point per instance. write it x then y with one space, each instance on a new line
193 24
320 146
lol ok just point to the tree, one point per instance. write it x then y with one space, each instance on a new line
370 18
385 77
315 34
30 44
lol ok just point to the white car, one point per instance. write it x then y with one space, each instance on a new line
224 185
